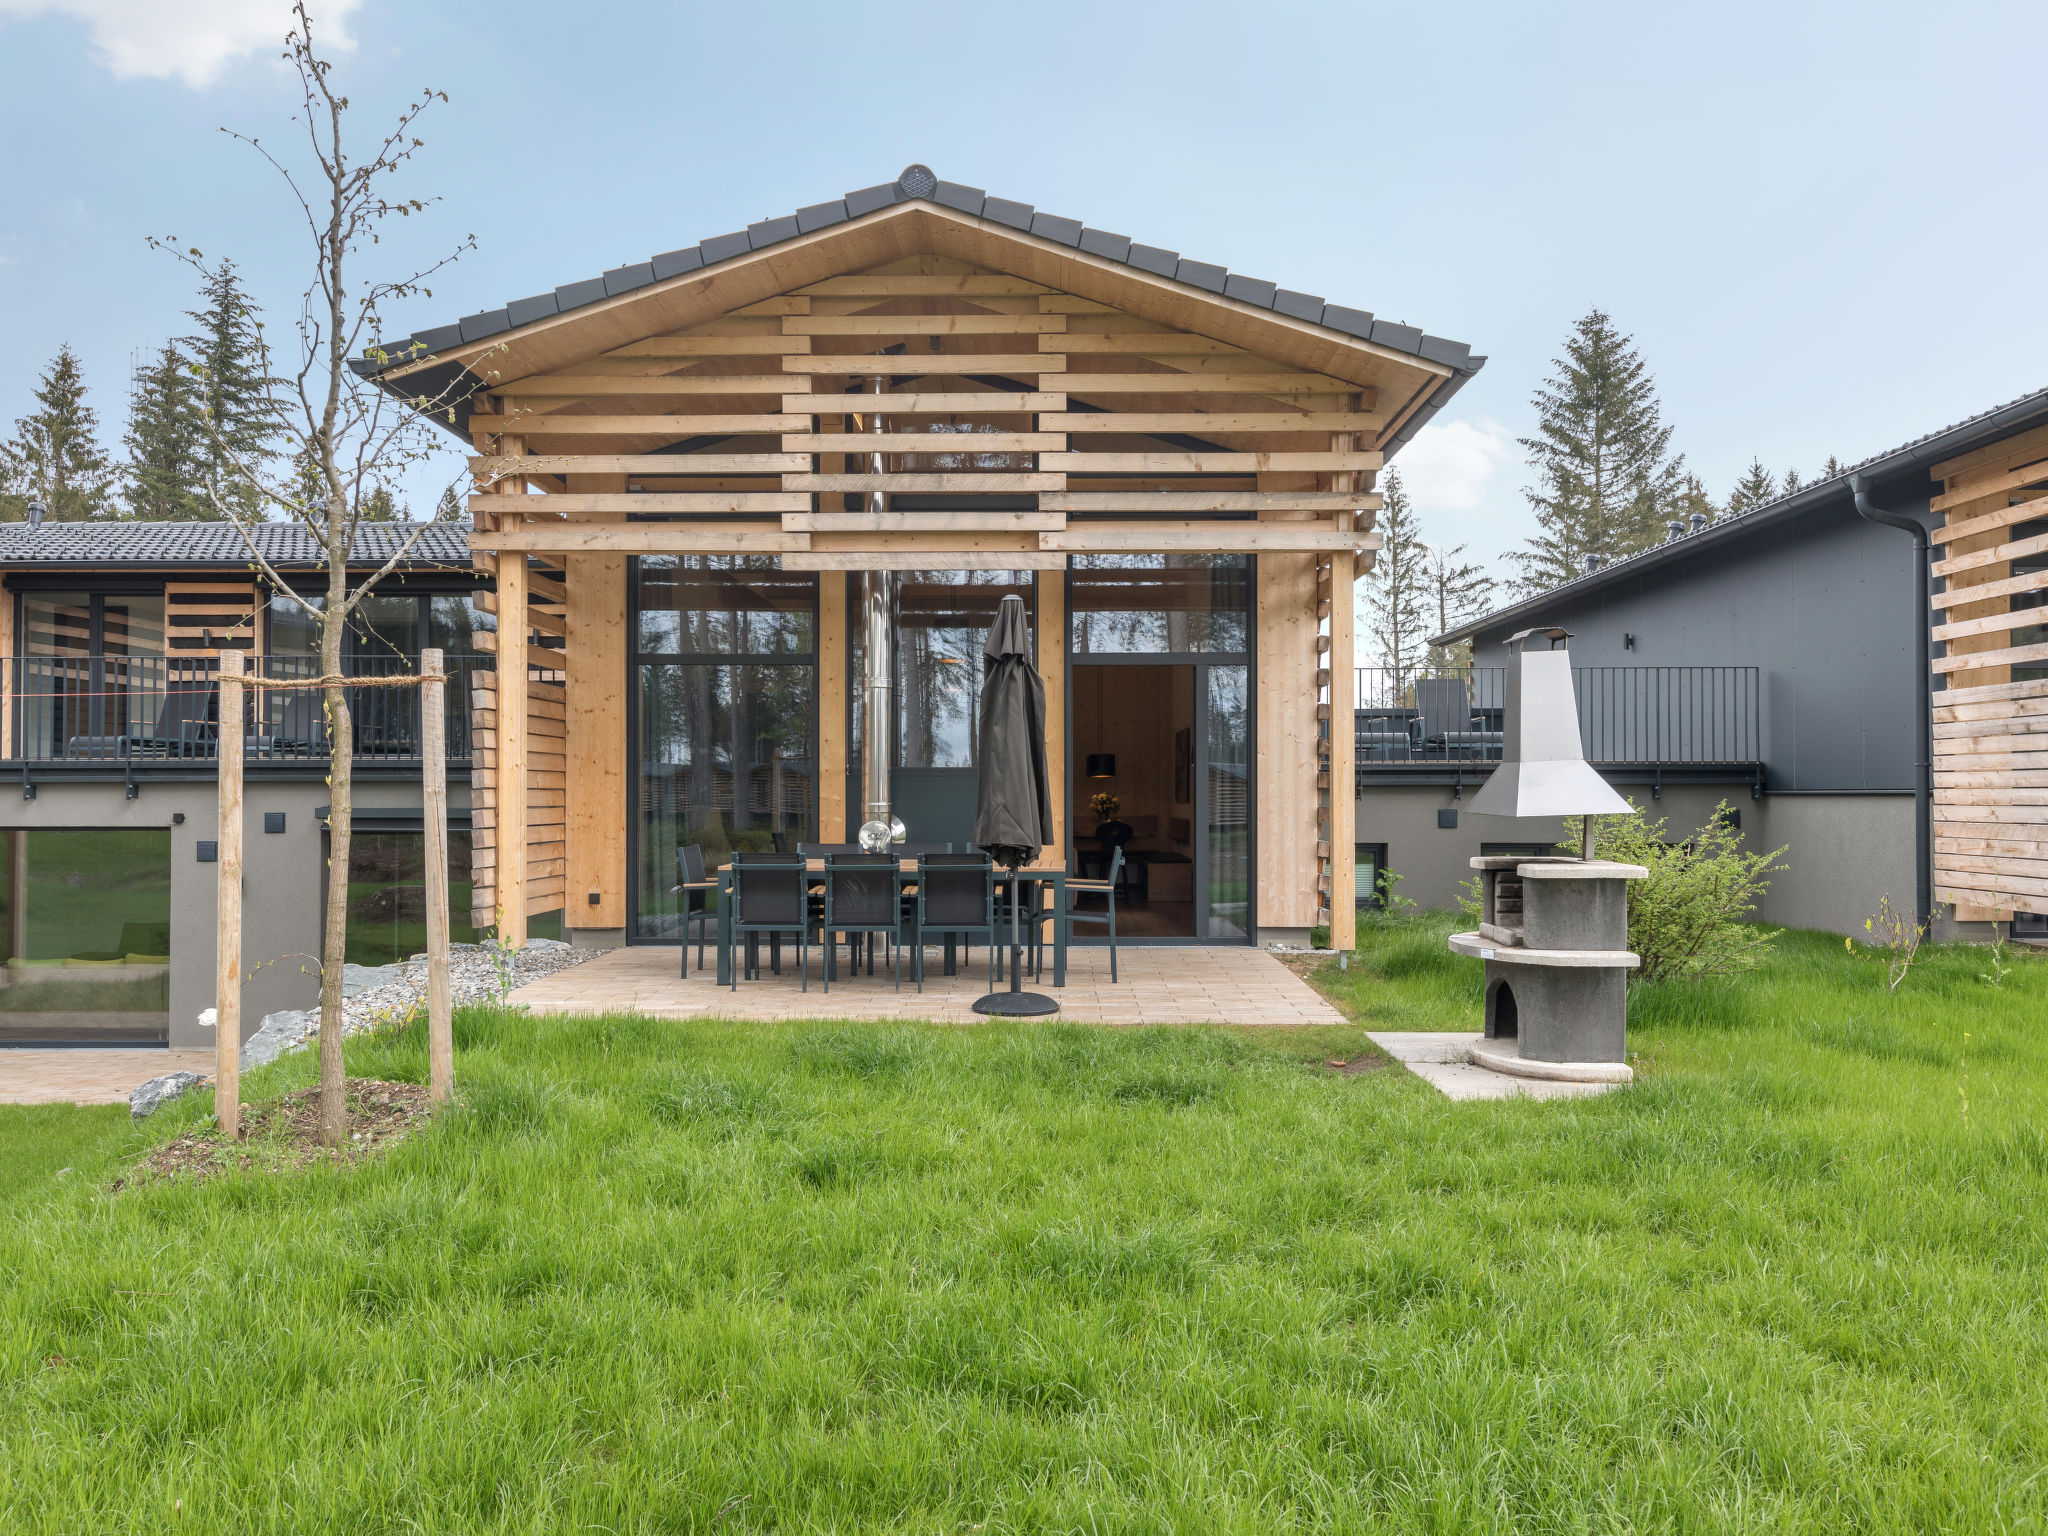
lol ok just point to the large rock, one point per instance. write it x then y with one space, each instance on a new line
159 1091
279 1032
367 978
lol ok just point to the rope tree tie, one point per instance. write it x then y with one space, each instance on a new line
434 818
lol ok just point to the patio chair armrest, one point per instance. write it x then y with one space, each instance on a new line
696 885
1091 885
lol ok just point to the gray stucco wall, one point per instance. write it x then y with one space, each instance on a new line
1823 606
1843 851
282 876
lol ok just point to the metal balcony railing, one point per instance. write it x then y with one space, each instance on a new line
135 711
1629 717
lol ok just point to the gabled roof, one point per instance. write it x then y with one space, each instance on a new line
219 545
1898 474
918 185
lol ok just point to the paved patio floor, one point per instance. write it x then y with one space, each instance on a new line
88 1076
1156 986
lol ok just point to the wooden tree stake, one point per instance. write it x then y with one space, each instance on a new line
434 795
227 1033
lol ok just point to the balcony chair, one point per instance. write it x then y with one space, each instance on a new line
697 910
771 896
1106 888
956 899
1449 726
1384 735
861 899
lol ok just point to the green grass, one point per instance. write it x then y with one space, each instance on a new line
672 1277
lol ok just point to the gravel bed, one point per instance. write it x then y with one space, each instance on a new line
477 973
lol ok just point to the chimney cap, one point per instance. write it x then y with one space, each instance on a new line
1556 634
1699 521
35 514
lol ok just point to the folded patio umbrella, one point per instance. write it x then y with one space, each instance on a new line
1013 809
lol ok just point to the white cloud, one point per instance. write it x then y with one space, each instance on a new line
1451 464
188 40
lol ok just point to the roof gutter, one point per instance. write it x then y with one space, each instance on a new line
1923 780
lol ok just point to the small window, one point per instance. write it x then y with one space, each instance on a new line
1369 862
2030 925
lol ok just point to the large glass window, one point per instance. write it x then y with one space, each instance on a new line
943 620
725 705
92 676
85 923
1159 604
387 895
1229 803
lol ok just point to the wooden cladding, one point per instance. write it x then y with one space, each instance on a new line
545 799
204 618
1991 722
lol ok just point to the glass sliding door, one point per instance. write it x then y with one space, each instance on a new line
85 922
1226 813
724 719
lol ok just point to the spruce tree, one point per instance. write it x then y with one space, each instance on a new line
1790 483
165 442
1693 499
1457 590
55 456
234 391
449 508
1606 478
1756 487
1834 469
1394 598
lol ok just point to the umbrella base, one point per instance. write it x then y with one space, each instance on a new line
1016 1005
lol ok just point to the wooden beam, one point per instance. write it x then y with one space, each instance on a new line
925 560
2019 549
653 426
924 442
1971 661
986 481
1206 463
920 403
434 829
665 501
1985 591
1148 343
227 955
1217 538
1975 490
687 348
595 737
1204 384
1204 501
2003 517
643 539
1051 636
641 463
508 881
1211 421
928 364
568 386
919 285
833 745
1993 624
922 325
923 522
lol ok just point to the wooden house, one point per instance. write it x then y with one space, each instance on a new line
694 474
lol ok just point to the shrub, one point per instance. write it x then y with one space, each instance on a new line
1686 919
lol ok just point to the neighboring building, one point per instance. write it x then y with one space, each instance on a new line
110 636
1781 660
922 397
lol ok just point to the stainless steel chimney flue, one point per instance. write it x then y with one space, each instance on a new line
879 827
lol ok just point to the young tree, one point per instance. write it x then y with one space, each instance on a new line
1394 598
1693 498
1605 474
165 442
343 437
1790 483
1834 469
55 456
234 388
1754 489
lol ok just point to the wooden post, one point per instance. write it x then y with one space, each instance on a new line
1341 825
509 783
227 981
434 818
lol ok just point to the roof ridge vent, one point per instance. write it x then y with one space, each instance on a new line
917 181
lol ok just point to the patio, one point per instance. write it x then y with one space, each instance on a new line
1178 985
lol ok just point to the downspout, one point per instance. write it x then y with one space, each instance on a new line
1923 787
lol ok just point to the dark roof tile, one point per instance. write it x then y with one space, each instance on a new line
1004 211
1302 306
950 194
1437 350
539 307
439 339
1098 242
220 544
1201 274
626 279
1352 322
589 291
1251 290
725 247
1402 338
676 263
821 216
772 231
868 199
1150 258
1050 226
489 323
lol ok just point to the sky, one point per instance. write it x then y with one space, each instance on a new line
1821 223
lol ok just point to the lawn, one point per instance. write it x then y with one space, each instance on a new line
672 1277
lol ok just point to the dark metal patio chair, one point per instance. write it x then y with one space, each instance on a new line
1107 888
956 899
770 897
698 910
861 899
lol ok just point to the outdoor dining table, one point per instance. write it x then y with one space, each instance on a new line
906 881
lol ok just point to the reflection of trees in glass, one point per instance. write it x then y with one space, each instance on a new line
1229 788
943 621
723 605
1159 603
